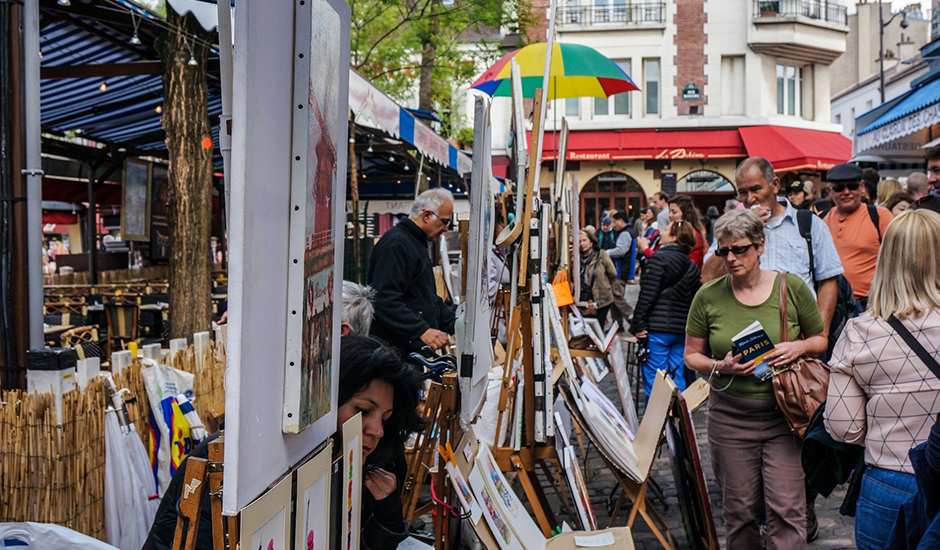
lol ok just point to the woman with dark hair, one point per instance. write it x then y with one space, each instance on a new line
681 208
666 291
899 202
649 241
376 381
597 275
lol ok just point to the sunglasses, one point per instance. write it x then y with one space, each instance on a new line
738 250
842 186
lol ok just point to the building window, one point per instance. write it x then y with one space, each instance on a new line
732 85
618 104
838 119
651 85
789 90
868 105
572 106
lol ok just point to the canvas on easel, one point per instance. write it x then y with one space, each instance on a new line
311 530
265 523
352 484
474 329
316 217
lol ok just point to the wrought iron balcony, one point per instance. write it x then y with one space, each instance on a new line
830 12
619 14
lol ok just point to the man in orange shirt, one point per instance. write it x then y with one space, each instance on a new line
856 228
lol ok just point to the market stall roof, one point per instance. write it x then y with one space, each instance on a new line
98 83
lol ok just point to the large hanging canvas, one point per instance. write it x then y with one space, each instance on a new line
318 176
135 204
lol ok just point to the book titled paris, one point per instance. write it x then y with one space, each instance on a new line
754 344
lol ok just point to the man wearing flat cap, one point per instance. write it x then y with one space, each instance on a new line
856 228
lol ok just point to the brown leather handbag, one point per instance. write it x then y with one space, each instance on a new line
804 384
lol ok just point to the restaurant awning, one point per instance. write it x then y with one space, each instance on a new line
786 148
648 145
916 110
790 149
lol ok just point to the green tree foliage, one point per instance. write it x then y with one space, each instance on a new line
404 46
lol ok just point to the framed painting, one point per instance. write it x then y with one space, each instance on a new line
318 177
265 523
135 201
352 483
311 530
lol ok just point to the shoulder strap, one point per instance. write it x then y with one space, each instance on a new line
784 324
915 345
873 214
804 220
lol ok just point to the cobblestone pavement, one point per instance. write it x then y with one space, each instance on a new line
835 531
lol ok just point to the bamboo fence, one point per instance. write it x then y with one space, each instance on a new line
53 473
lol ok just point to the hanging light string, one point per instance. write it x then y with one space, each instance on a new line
135 40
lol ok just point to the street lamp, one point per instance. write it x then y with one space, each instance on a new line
881 43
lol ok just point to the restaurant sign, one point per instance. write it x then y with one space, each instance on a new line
913 122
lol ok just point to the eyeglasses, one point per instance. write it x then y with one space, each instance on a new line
841 187
738 250
446 221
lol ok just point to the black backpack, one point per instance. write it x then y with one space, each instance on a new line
847 306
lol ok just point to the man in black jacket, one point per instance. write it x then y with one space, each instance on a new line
408 312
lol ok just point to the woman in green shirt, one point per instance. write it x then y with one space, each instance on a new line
754 453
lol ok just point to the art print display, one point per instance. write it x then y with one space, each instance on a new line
352 483
311 529
318 176
505 501
135 205
266 521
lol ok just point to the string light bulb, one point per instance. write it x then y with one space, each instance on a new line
135 40
370 150
406 167
192 61
64 3
391 158
103 87
352 139
158 109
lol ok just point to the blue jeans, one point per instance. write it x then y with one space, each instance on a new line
666 351
883 492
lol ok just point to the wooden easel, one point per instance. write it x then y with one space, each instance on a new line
200 473
440 415
647 440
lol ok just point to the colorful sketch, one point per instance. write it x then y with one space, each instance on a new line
501 526
326 127
313 496
467 501
352 482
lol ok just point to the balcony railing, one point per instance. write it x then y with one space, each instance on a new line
811 9
574 16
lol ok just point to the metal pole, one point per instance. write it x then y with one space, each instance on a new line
92 228
225 119
881 51
33 171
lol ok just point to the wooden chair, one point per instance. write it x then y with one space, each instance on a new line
84 340
122 322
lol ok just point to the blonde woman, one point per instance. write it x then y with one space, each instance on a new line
881 395
886 188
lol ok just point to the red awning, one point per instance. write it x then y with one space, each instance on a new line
77 192
54 217
649 144
790 149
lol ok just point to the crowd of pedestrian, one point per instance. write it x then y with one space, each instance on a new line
847 275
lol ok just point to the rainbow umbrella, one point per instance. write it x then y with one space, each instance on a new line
576 71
